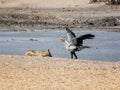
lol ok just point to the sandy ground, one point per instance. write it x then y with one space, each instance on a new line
34 73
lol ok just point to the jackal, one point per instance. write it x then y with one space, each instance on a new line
46 53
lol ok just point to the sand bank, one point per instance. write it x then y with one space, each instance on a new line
33 73
52 14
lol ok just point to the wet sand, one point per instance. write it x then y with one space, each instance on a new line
34 73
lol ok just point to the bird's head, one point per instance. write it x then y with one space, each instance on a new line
62 39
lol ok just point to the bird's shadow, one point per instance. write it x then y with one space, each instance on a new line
83 47
86 47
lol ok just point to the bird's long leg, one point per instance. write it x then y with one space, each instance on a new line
71 54
75 55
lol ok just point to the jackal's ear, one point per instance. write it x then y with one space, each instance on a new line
48 49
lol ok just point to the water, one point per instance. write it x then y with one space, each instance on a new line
104 47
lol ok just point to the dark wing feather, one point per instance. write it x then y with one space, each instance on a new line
83 37
87 36
70 32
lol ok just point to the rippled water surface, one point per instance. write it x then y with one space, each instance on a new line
104 47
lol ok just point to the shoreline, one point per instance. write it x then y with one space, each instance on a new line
113 29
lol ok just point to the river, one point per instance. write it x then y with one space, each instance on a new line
104 47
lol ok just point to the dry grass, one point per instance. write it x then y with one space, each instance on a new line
33 73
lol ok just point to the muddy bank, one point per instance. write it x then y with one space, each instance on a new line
21 19
58 18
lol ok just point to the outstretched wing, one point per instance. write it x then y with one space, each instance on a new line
87 36
83 37
70 34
